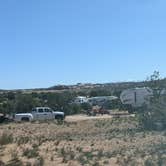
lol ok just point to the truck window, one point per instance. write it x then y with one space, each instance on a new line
47 110
40 110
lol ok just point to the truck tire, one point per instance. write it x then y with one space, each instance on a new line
25 119
2 119
59 117
130 111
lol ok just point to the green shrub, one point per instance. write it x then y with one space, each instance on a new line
31 153
6 138
153 116
23 140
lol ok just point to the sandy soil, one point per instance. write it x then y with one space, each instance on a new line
82 140
76 118
82 117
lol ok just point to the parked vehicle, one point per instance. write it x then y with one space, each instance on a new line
136 98
98 100
80 100
4 118
97 110
40 113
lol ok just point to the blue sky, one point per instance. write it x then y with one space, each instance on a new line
48 42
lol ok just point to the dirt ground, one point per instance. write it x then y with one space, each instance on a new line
107 140
82 117
77 118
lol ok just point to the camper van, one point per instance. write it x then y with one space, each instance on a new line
80 100
136 97
98 100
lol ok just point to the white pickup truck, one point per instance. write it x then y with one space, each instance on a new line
40 113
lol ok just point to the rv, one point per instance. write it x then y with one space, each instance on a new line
80 100
99 100
136 98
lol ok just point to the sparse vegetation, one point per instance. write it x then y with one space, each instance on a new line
6 138
153 117
92 142
31 153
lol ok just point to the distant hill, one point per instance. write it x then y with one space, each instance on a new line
89 86
92 86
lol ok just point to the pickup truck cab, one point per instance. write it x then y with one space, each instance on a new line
39 113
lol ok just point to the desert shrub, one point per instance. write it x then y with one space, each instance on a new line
161 160
100 154
67 154
149 162
79 149
88 155
39 161
153 116
82 159
6 138
86 106
22 140
101 123
74 109
31 153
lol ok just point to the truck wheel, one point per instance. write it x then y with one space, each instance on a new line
25 119
58 117
130 111
2 119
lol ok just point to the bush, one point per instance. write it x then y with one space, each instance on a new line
31 153
6 138
74 109
86 106
153 117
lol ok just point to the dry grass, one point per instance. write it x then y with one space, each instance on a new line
95 142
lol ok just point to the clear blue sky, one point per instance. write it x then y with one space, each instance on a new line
48 42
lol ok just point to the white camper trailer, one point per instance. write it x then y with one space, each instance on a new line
80 100
100 100
136 97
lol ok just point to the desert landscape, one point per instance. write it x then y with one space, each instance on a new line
83 83
103 140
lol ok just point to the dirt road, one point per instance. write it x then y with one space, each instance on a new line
85 117
82 117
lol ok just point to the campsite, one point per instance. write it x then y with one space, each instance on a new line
83 83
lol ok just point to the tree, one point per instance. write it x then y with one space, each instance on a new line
153 116
25 103
73 109
100 92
